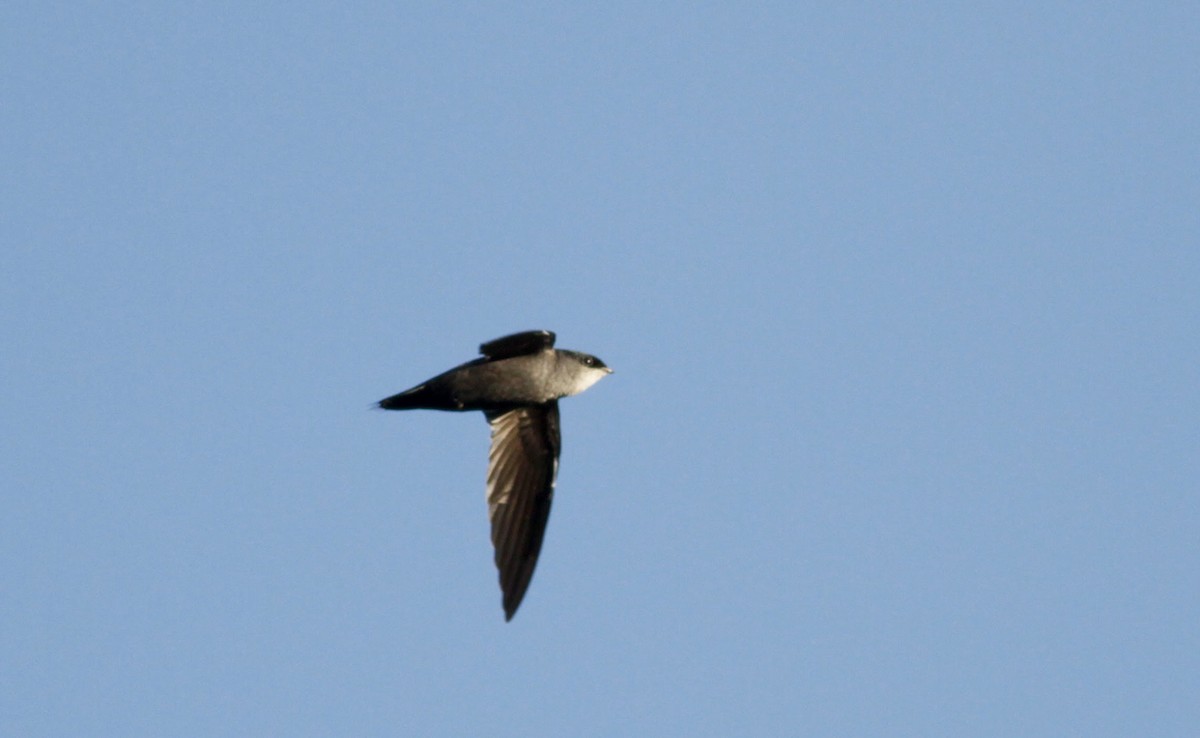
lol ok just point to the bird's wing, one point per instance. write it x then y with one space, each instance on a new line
522 465
517 344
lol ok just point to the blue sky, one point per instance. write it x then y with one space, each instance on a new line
903 307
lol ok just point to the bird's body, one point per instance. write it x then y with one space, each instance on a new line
491 384
517 385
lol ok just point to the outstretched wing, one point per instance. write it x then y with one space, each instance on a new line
522 465
518 344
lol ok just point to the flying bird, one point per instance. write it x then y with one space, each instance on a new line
517 384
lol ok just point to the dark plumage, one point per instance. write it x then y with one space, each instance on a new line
517 384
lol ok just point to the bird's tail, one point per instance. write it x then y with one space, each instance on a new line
421 397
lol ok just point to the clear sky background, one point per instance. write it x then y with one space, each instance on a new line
904 307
